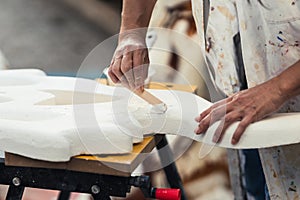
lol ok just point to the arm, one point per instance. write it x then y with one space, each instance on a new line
251 105
129 64
136 14
289 81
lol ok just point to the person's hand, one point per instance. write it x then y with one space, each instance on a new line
247 106
129 65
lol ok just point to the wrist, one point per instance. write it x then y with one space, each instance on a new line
283 87
278 91
137 31
289 82
137 36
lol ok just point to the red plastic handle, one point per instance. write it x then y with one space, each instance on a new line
167 194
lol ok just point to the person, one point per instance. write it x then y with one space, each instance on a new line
252 52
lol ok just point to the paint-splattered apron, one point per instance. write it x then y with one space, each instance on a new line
270 37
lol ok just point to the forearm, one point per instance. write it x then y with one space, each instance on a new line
136 14
289 81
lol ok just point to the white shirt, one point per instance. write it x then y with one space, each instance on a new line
270 37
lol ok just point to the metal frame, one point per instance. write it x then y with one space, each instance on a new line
166 157
101 187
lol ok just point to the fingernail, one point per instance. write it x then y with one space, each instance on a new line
215 139
200 129
233 141
139 90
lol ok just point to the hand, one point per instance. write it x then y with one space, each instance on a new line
129 65
247 106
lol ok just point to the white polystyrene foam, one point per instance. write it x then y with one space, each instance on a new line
55 118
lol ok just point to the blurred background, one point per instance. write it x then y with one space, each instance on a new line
57 35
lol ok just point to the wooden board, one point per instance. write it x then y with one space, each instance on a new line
162 86
172 86
118 165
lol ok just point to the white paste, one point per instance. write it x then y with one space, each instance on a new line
159 108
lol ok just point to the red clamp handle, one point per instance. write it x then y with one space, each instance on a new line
167 194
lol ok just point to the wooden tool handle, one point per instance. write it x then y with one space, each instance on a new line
150 98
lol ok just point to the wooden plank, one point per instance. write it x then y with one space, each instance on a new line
172 86
118 165
161 86
148 97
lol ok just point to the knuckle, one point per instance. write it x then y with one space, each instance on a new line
215 115
243 124
115 69
145 54
251 115
228 119
125 68
214 111
204 124
241 112
204 113
214 106
140 47
119 52
238 98
123 79
110 73
253 107
127 50
139 52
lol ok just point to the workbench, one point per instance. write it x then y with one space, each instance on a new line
101 176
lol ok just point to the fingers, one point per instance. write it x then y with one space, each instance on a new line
145 64
112 76
130 67
229 119
203 115
225 122
140 61
210 116
203 125
126 69
210 109
227 112
241 129
114 70
246 106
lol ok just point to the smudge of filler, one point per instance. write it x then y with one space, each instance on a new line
159 107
